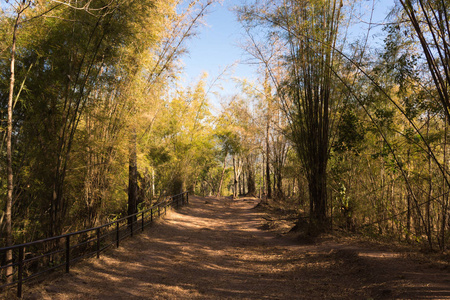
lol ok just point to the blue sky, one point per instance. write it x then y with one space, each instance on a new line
216 45
216 48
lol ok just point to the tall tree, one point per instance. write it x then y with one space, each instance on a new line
80 101
19 9
430 21
268 97
310 30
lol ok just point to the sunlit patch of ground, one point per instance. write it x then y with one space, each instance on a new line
216 249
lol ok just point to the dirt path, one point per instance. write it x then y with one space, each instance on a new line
213 249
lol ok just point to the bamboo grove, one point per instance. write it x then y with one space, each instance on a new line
86 88
368 126
96 123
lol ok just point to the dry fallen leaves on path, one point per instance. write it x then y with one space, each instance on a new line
214 249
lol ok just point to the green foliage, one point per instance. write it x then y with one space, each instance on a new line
350 133
82 74
85 79
183 144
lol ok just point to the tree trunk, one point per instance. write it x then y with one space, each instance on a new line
274 183
268 184
10 184
408 203
132 178
243 177
318 200
262 188
251 188
408 217
235 183
444 194
239 185
430 190
221 177
268 96
153 183
279 187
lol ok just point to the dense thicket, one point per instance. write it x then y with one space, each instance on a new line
94 84
373 120
355 137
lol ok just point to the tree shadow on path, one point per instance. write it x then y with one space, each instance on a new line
213 249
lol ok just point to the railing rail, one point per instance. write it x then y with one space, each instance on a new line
60 251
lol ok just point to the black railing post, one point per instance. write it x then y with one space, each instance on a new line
20 275
98 242
117 234
67 254
21 261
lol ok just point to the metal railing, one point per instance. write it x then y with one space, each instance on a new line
33 259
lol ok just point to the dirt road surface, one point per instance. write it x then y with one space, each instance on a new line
214 249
